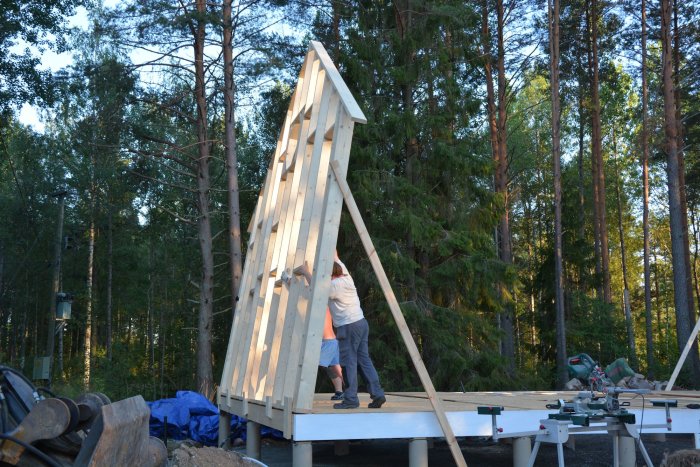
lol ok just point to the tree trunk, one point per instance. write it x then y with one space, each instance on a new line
490 107
581 185
234 223
596 136
594 167
55 282
625 292
497 118
162 340
553 16
696 252
490 93
681 174
681 275
404 18
110 265
3 319
645 215
505 249
88 299
205 383
23 332
149 320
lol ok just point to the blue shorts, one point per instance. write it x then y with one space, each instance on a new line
330 355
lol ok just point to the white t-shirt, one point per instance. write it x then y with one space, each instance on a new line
343 300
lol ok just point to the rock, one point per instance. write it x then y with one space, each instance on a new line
574 385
639 382
238 442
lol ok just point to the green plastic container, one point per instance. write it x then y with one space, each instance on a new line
618 369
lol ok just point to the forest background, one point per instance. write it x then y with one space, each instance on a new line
529 174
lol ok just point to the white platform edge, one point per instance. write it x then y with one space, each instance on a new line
392 425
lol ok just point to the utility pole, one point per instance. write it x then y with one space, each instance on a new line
61 195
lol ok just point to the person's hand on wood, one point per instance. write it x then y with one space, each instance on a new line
304 270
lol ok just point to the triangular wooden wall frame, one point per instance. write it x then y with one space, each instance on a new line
275 344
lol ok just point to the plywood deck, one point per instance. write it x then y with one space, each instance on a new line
516 400
410 415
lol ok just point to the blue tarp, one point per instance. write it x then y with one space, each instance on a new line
192 416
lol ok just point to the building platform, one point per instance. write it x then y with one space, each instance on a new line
410 415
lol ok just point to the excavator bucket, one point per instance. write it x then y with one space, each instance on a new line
90 431
119 436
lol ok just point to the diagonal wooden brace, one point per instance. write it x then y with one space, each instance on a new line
398 316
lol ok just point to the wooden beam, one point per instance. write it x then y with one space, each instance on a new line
398 316
684 355
346 97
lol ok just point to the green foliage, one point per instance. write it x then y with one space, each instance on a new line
39 24
420 171
421 185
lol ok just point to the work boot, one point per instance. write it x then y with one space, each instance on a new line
377 402
346 405
338 396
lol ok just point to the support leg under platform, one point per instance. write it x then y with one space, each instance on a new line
418 452
522 448
627 451
224 430
302 454
252 443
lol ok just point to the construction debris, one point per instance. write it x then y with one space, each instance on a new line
574 384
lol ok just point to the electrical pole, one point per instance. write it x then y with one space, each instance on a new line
61 195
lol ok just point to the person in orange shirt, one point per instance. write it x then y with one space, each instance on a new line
330 357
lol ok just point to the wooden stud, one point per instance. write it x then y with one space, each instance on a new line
287 417
268 407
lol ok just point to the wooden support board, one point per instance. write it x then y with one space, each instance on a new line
398 316
684 355
275 342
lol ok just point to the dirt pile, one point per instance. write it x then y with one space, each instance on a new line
192 455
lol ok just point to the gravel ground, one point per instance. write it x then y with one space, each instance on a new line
589 451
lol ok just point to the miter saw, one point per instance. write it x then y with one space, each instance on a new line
587 412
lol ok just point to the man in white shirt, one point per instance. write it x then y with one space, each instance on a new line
352 332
